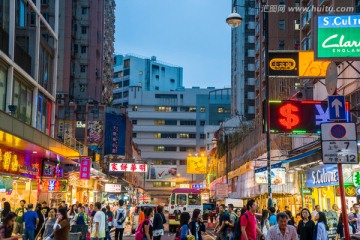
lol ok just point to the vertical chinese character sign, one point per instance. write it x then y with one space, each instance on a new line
85 167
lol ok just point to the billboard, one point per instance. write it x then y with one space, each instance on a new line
277 176
160 172
112 188
115 132
337 37
196 165
94 132
296 64
299 117
128 167
221 190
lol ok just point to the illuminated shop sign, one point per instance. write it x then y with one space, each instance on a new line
277 176
128 167
17 163
322 176
112 188
54 185
337 37
299 117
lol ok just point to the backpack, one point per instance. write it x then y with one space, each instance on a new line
121 217
237 227
140 233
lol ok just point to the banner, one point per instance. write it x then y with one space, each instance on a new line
115 134
277 176
159 172
94 132
196 165
85 167
221 190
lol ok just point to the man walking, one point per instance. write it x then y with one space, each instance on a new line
31 220
119 224
272 218
221 230
354 218
98 231
18 229
233 219
248 222
282 230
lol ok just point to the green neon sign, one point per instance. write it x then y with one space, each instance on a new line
338 37
356 179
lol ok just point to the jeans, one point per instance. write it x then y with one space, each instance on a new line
108 237
119 232
231 236
29 234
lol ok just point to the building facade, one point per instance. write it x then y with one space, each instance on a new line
179 116
243 62
150 74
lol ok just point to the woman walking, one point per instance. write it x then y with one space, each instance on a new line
148 225
7 227
159 221
49 225
184 226
5 211
62 226
306 226
265 225
197 225
321 227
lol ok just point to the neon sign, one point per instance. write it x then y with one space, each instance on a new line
299 117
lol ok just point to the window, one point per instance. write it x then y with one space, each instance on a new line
220 110
156 88
134 135
126 94
82 87
134 122
172 198
281 24
202 109
194 199
76 48
83 29
126 63
172 80
281 44
282 2
159 148
187 135
166 96
184 109
181 199
84 11
83 68
187 149
3 80
297 24
202 136
202 123
165 109
165 135
165 149
187 123
192 109
83 49
126 83
165 122
135 108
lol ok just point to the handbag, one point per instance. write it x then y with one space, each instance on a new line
190 236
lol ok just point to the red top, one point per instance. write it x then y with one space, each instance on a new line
250 223
186 190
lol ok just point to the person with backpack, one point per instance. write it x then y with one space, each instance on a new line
197 224
147 224
248 222
221 229
119 223
81 220
265 222
233 219
159 221
184 230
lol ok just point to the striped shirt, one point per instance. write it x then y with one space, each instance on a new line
274 233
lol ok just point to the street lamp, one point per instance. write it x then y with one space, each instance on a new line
235 22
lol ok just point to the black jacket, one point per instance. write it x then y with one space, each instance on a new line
159 221
192 226
306 231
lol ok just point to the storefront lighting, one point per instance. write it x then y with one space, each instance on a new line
34 152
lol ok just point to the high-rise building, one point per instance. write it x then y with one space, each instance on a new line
170 125
109 31
81 31
243 62
148 73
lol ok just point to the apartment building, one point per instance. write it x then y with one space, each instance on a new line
148 73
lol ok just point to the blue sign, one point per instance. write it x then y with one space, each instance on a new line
337 108
322 176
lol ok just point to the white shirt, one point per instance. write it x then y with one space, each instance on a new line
98 218
123 211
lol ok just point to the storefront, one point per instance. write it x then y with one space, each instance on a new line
82 191
19 176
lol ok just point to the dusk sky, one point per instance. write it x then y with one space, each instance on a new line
192 34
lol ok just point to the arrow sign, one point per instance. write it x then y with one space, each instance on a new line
337 105
337 109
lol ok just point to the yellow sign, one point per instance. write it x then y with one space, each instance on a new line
196 165
282 64
240 171
308 67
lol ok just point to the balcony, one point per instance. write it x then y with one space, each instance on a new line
164 128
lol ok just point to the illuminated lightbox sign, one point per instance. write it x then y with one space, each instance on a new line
277 176
128 167
299 117
112 188
337 37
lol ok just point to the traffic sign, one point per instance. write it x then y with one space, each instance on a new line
339 143
337 108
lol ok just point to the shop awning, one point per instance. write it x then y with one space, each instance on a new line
20 136
290 160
